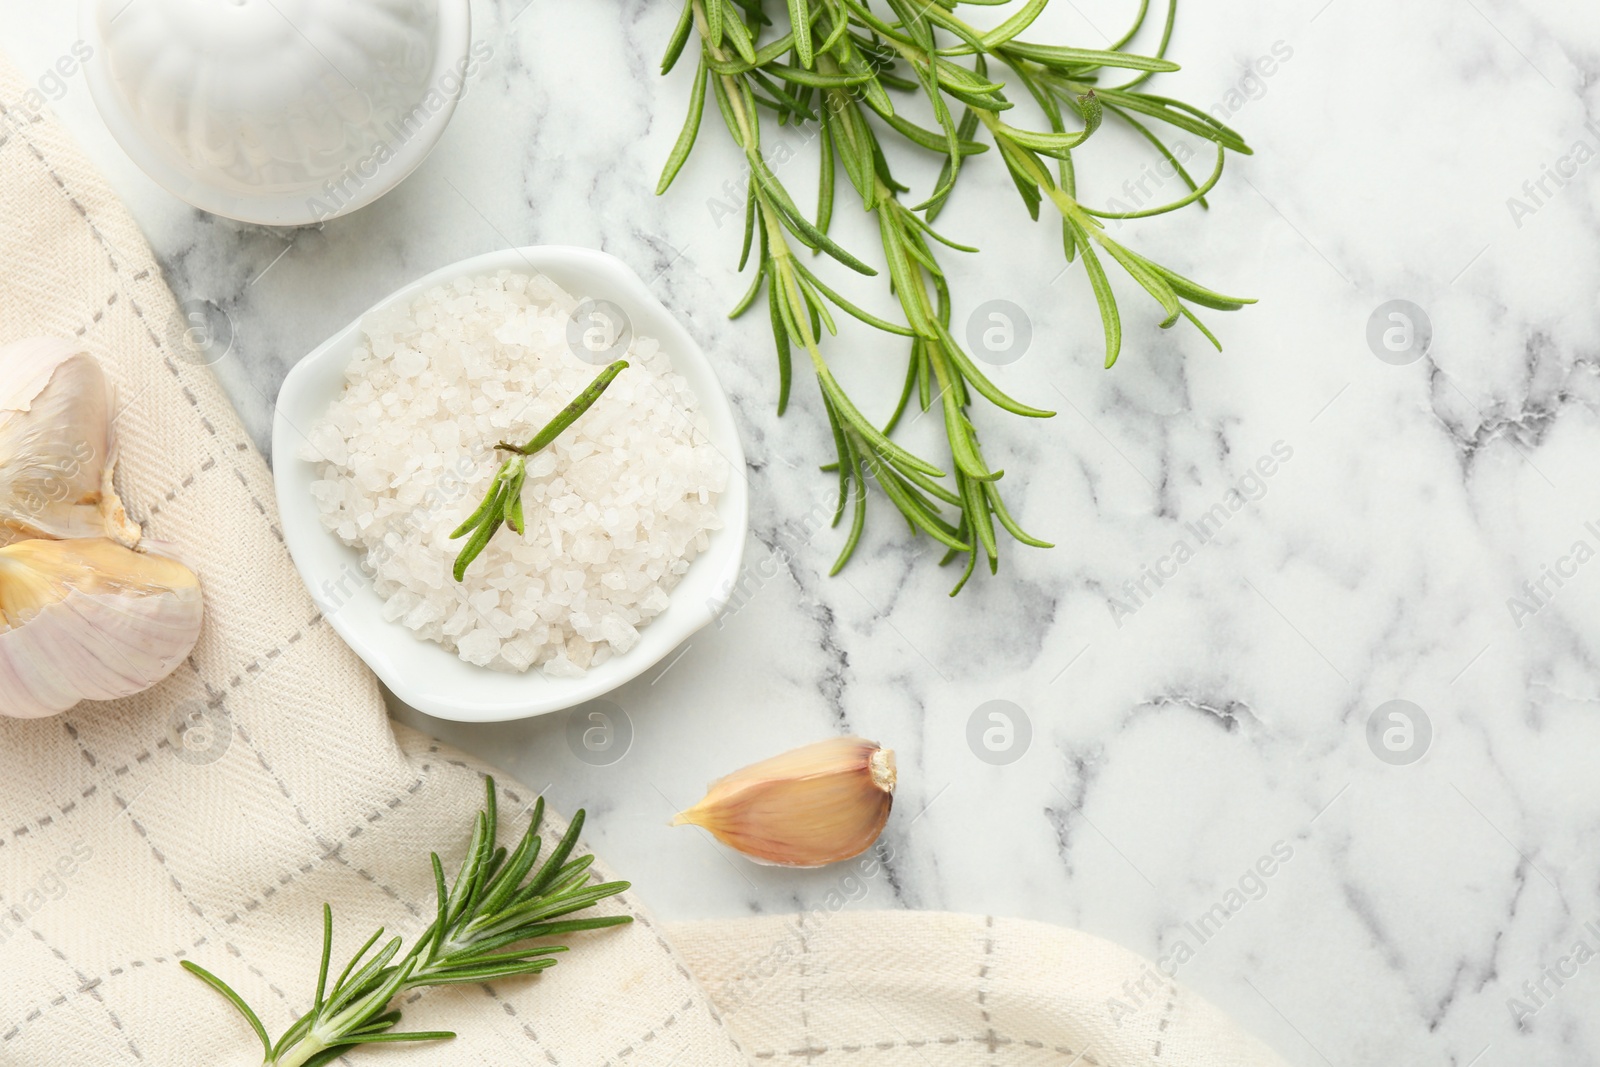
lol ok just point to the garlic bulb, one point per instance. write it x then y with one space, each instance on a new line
57 445
88 619
815 805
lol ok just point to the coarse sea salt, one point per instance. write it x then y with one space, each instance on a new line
615 508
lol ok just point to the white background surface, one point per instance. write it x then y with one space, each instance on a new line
1227 714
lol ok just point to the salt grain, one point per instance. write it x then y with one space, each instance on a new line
615 509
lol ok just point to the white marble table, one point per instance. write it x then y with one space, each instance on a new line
1218 726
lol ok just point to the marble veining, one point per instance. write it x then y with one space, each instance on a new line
1194 718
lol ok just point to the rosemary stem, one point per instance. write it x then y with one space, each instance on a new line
502 505
311 1045
735 98
785 260
1058 196
836 67
918 295
493 906
778 240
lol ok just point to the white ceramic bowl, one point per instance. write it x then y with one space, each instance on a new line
280 112
426 675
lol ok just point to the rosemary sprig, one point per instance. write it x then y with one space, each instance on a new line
492 906
502 505
832 66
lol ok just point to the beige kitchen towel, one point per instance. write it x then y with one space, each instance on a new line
126 846
838 988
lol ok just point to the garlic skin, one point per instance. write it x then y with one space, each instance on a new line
88 619
58 450
806 808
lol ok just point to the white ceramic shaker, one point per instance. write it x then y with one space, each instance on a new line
281 112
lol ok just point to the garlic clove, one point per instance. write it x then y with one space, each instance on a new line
812 806
58 450
89 619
